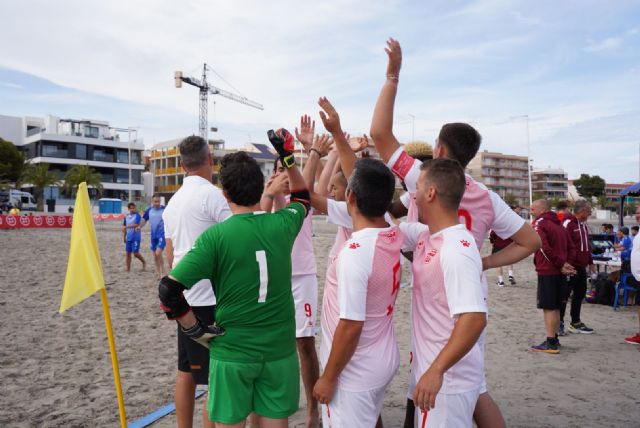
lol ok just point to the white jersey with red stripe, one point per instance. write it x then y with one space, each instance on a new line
337 214
303 258
447 272
480 210
362 284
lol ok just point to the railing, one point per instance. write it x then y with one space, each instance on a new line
168 189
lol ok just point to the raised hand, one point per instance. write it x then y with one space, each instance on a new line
394 52
282 142
278 184
307 132
329 116
323 144
358 144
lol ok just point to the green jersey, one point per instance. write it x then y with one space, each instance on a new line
248 260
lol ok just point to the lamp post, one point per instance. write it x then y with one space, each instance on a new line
129 159
526 118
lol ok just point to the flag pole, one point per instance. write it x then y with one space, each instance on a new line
114 357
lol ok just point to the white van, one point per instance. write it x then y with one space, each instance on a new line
18 198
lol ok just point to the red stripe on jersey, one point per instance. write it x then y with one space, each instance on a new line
403 165
424 419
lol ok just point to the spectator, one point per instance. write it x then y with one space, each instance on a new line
635 271
624 245
551 265
500 244
580 259
562 209
634 231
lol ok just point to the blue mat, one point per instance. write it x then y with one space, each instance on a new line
160 413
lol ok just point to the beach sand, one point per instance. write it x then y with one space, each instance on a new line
55 370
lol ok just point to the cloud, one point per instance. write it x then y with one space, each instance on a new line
610 43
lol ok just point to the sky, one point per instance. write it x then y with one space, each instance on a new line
572 68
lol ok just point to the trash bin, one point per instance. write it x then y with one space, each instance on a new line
51 205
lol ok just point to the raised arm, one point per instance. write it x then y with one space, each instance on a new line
319 149
322 187
382 121
331 121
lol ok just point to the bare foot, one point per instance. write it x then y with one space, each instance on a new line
313 421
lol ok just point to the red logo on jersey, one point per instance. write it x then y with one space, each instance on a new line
403 165
389 310
354 245
430 255
465 243
390 235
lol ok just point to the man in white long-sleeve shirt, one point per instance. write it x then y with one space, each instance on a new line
635 271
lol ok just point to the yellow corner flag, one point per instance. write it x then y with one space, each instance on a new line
84 270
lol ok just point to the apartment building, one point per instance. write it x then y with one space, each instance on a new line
62 143
612 193
550 183
504 174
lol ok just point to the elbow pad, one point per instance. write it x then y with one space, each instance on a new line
172 301
303 197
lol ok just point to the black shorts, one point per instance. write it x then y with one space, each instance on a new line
495 249
192 356
552 289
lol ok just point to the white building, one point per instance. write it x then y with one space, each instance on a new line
550 183
63 143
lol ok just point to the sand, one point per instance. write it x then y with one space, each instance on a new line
55 369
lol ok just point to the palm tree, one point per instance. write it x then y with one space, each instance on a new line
40 177
82 173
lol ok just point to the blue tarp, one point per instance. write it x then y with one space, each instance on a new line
633 190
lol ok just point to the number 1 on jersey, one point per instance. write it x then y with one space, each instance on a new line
261 258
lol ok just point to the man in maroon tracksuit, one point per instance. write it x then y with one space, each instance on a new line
552 267
580 258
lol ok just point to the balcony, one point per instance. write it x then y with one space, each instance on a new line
168 189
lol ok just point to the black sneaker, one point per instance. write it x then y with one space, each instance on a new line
546 347
561 331
579 328
512 280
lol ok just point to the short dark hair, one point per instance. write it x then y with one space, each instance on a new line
624 230
241 178
562 205
461 140
194 152
155 195
635 228
131 204
447 176
373 185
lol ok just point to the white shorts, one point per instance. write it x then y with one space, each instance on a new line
452 410
305 299
481 342
353 409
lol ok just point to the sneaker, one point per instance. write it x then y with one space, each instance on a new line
546 347
579 328
634 340
500 283
512 280
561 331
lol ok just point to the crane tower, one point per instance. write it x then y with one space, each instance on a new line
205 89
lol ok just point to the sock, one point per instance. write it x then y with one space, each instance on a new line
510 272
553 340
500 278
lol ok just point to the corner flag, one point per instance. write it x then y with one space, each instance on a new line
84 269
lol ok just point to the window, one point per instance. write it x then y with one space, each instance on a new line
135 157
91 131
123 156
81 151
102 155
54 150
122 176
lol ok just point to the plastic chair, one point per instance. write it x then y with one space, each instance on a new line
622 284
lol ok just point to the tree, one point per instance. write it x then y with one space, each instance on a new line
81 173
12 164
589 186
603 202
40 177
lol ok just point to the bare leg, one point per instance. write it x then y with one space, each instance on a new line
410 414
238 425
551 321
128 262
184 397
272 423
310 370
487 413
206 423
159 263
139 257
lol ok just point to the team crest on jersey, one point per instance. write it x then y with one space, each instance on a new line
354 245
467 182
430 255
465 243
391 235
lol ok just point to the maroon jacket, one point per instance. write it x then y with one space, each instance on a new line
578 233
497 242
550 258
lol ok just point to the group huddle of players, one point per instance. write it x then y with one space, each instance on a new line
254 367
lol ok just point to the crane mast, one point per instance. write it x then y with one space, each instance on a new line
204 90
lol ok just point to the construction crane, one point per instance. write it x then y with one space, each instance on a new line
206 89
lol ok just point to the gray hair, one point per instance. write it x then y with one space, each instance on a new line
194 152
580 205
